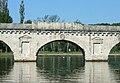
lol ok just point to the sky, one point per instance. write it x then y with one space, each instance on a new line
87 11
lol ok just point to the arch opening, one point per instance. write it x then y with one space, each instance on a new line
60 57
115 49
114 55
6 58
5 50
61 47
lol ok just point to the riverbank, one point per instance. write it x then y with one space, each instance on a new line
55 54
59 53
114 54
69 54
6 54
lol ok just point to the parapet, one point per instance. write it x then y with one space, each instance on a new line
59 26
15 26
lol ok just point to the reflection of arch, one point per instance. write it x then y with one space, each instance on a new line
83 52
7 45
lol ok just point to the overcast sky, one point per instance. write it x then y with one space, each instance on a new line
87 11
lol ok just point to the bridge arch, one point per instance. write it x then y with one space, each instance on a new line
113 46
6 44
79 48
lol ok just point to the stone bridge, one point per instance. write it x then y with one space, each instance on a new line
26 39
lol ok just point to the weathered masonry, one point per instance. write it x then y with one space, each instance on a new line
26 39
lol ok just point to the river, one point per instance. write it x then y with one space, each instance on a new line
60 69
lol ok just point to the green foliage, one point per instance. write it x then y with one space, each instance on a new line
107 24
116 49
61 46
4 47
116 24
4 12
22 13
28 22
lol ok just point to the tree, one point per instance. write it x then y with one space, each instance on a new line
54 18
22 13
115 24
4 12
105 24
28 22
48 18
77 22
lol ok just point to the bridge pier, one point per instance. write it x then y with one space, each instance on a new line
25 57
96 58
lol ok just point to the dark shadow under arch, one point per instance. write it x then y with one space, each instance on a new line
114 54
115 49
5 49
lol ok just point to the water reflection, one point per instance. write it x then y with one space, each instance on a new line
114 64
6 66
59 69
